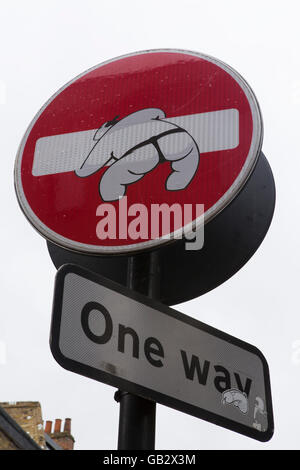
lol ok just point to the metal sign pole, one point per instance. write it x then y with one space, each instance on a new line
136 422
137 415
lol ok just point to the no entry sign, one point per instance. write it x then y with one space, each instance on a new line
112 334
153 128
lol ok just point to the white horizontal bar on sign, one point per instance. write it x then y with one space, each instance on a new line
61 153
213 131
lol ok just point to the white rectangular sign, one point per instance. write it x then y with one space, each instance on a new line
107 332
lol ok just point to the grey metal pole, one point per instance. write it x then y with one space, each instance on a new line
137 415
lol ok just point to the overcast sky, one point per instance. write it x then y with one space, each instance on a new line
44 45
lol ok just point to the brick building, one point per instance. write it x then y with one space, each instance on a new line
61 437
21 427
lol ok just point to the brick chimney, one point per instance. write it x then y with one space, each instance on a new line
63 438
57 426
48 427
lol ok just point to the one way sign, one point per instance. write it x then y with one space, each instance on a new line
109 333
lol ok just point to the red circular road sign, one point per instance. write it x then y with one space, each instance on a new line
153 128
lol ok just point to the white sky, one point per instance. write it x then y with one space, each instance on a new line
44 45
